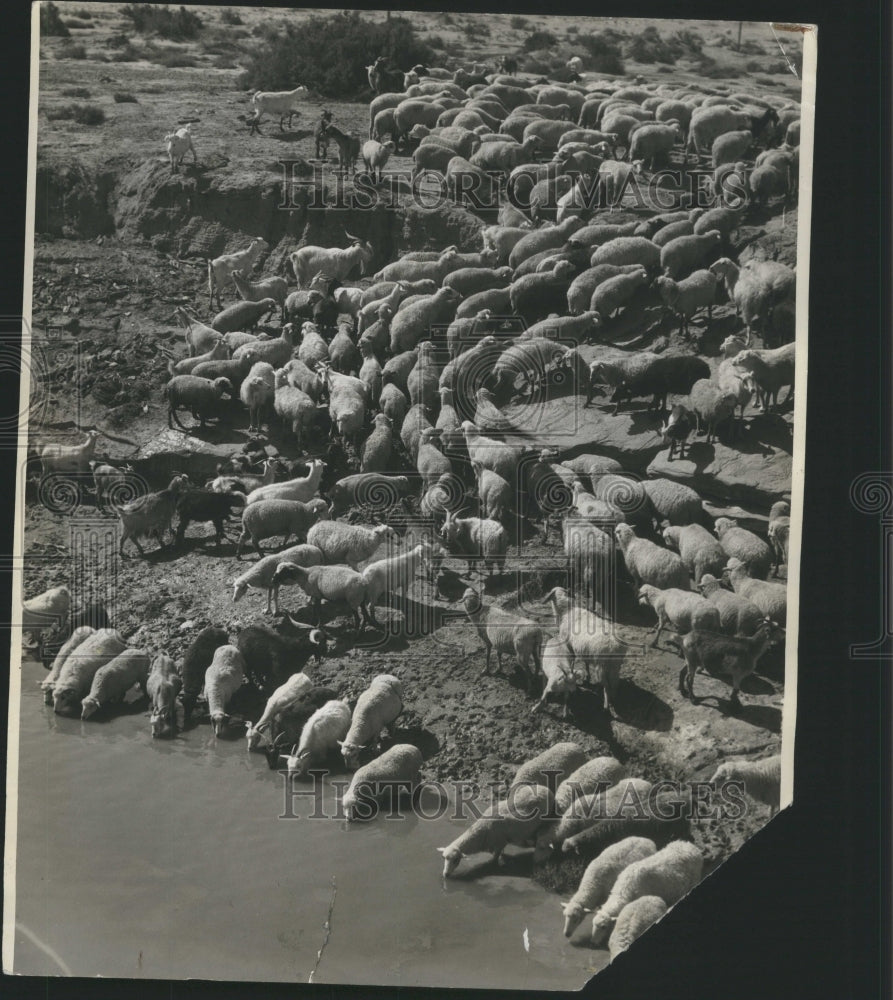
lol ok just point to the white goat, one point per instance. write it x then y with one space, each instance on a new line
279 102
220 269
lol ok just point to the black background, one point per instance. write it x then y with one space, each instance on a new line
803 908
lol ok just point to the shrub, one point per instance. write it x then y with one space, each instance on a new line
477 27
604 52
573 30
176 25
71 51
539 40
84 14
518 23
82 114
121 97
230 16
51 22
330 54
174 59
126 53
81 92
649 47
436 41
74 22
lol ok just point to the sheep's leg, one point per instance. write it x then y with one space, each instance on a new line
660 627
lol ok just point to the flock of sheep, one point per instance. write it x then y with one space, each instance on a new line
420 421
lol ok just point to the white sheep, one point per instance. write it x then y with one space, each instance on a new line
688 296
260 574
594 776
712 404
220 269
268 518
737 615
557 663
516 820
284 698
300 488
603 807
770 598
44 612
257 392
669 874
680 257
348 543
279 102
223 678
163 685
179 143
551 767
756 288
476 538
69 646
275 288
739 543
496 455
762 778
673 503
779 533
635 918
376 709
682 609
430 461
339 584
771 371
77 671
496 495
375 156
112 681
506 632
395 573
649 563
697 548
599 877
397 769
319 737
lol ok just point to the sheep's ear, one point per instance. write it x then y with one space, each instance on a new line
440 850
340 743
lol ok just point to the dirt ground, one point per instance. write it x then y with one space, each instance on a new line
120 243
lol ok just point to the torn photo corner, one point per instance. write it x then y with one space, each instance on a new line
410 478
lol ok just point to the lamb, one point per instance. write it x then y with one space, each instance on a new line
112 681
757 289
770 598
205 505
686 297
506 632
599 877
319 737
741 544
674 503
669 874
258 392
682 609
737 615
221 269
649 563
515 820
680 257
595 775
476 538
80 666
393 574
267 518
60 458
223 678
295 408
711 405
397 769
732 656
336 262
771 371
593 641
243 315
162 686
302 488
613 293
779 533
377 709
150 514
762 778
698 549
635 918
76 638
285 697
348 543
196 660
260 291
279 102
331 583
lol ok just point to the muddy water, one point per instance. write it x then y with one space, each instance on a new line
168 860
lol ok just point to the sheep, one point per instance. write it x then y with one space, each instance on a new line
223 678
649 563
472 280
503 157
113 680
201 396
744 545
731 147
738 616
367 489
770 598
221 269
583 287
476 538
732 656
697 548
76 638
276 352
652 143
497 496
412 323
44 612
757 289
163 684
258 392
769 181
708 123
602 805
423 380
551 767
279 102
506 632
280 701
377 708
243 315
686 297
431 463
595 775
150 514
761 778
771 370
670 232
348 543
302 488
392 574
415 423
635 918
219 351
681 256
205 505
271 658
593 641
376 455
260 574
319 737
669 874
779 533
195 662
179 143
336 262
673 503
56 459
613 293
240 482
396 770
599 877
515 820
267 518
550 238
413 271
497 456
375 156
331 583
711 406
557 661
682 609
80 666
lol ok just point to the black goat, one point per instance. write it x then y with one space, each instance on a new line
196 661
206 505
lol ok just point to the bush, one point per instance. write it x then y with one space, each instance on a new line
650 47
172 59
174 25
81 92
604 52
330 54
51 23
539 40
573 30
74 22
518 23
436 42
125 54
230 16
121 97
84 14
71 51
82 114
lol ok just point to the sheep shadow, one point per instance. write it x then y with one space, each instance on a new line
422 739
642 709
588 714
295 135
508 866
129 706
765 717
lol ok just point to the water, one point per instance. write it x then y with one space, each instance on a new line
166 859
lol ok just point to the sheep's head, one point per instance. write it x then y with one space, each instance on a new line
88 707
219 722
573 916
239 590
223 386
351 754
723 524
451 858
708 584
734 567
624 534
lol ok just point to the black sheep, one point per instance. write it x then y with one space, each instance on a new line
234 370
196 661
206 505
271 658
675 374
